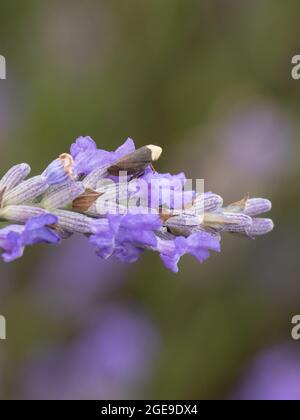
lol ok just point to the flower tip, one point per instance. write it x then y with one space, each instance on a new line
256 206
68 162
25 167
130 143
60 170
269 224
260 227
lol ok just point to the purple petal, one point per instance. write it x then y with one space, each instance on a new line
104 244
141 221
87 157
36 230
198 244
124 149
171 262
82 145
128 253
11 243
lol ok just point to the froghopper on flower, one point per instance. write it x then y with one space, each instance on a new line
121 214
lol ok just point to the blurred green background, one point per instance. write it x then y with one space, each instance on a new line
210 82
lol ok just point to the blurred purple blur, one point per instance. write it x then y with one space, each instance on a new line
274 375
110 359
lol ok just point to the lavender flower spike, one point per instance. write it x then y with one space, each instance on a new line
83 192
